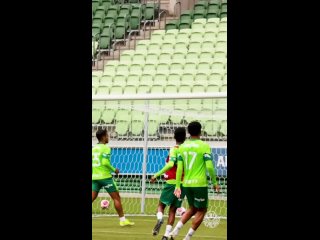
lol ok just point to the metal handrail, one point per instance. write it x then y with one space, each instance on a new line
174 8
135 38
165 18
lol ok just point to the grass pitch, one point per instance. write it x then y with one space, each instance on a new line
107 228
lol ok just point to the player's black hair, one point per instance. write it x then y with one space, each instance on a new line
100 133
180 134
194 128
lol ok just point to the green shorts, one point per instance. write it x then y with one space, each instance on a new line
107 183
168 198
197 196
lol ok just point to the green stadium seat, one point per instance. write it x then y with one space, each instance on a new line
157 35
111 66
196 35
98 105
95 81
170 35
181 104
116 90
221 44
192 115
208 105
215 78
181 45
209 35
195 46
149 11
143 89
192 55
122 26
96 114
219 63
212 88
102 91
183 35
160 78
94 90
125 9
120 79
97 74
214 3
197 88
223 88
179 56
108 116
198 25
200 13
201 5
174 79
164 58
96 29
151 57
225 78
104 41
211 127
149 69
136 68
154 47
126 56
185 24
204 55
177 118
156 89
143 45
212 23
186 16
137 127
98 20
95 4
213 13
173 24
135 17
106 81
109 20
201 79
205 64
184 88
100 12
167 46
190 66
195 103
122 67
163 68
177 66
122 128
113 9
220 53
129 89
133 79
170 89
139 56
223 128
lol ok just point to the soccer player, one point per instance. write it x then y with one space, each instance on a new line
194 159
167 197
101 174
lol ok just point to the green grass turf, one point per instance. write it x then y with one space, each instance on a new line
108 228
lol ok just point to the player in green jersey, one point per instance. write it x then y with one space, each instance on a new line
167 197
101 174
194 160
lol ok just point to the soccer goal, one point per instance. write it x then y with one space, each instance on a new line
141 132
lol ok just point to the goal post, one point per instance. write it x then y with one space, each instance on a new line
141 128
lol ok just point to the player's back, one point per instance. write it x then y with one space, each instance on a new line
193 153
100 154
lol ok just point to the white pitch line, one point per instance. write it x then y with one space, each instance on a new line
202 236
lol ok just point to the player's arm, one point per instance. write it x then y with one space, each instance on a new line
210 167
168 166
177 191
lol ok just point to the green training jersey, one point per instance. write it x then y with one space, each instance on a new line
101 166
194 153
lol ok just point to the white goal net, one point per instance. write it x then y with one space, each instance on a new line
141 133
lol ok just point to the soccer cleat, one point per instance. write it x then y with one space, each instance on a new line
173 234
157 227
126 223
164 238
